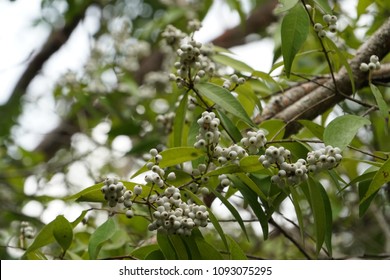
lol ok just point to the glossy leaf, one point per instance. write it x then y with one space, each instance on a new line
174 156
341 131
224 99
102 234
275 129
294 31
63 232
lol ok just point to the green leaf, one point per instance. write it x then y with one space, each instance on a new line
178 122
363 206
236 253
298 211
179 246
319 203
324 5
251 164
224 99
44 237
230 128
294 31
166 246
341 131
252 199
285 5
232 210
275 128
212 218
232 62
316 129
142 252
102 234
91 194
173 156
207 251
383 108
63 232
381 177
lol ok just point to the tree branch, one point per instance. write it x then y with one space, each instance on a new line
322 98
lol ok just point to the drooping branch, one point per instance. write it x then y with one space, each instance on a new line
324 97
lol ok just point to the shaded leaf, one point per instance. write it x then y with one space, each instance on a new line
207 251
102 234
341 131
294 31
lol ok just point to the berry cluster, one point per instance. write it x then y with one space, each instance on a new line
374 64
233 79
209 133
157 173
323 159
26 230
330 21
113 191
295 173
233 153
175 216
254 141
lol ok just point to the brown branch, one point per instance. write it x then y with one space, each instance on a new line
257 21
322 98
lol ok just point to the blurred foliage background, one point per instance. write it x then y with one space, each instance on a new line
119 106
